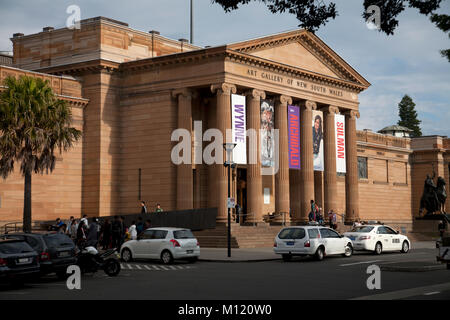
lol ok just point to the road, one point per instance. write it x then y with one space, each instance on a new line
302 278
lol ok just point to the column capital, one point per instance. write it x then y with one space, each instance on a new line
282 99
309 105
256 94
225 88
331 109
352 114
185 92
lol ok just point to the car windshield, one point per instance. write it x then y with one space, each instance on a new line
58 240
183 234
362 229
292 233
14 247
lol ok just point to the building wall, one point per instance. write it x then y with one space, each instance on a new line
57 194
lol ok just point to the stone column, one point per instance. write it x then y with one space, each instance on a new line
223 93
254 179
351 178
282 204
185 191
306 160
330 175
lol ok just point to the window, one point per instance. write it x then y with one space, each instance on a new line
292 233
382 230
389 230
328 233
148 234
58 240
313 233
14 247
362 168
183 234
160 234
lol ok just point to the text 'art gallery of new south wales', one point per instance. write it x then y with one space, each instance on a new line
154 113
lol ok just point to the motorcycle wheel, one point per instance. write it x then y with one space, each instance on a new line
112 268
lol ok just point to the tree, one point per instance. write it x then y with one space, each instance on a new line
408 116
442 21
312 14
33 123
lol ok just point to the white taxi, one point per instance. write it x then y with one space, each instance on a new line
378 238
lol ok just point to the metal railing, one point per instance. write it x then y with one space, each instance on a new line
12 227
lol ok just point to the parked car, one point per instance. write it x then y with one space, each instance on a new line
17 259
56 251
311 241
378 238
165 244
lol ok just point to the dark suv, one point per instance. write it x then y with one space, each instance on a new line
56 251
17 259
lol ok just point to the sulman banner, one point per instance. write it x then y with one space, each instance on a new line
238 128
339 125
267 133
294 137
317 128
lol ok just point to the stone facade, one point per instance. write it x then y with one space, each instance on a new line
142 86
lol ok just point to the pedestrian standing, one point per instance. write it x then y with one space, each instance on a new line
139 226
116 232
330 218
133 231
85 220
81 235
73 230
124 230
92 236
143 207
158 208
334 220
106 234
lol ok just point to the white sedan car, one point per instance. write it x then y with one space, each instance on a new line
165 244
378 238
311 241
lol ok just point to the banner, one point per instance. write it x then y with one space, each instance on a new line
294 137
317 128
339 125
238 128
267 138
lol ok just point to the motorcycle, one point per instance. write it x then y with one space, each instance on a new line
90 261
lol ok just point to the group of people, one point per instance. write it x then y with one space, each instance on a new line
316 215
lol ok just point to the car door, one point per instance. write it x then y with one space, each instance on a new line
329 240
142 245
384 238
336 242
158 243
396 243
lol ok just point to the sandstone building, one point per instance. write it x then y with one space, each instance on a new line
129 90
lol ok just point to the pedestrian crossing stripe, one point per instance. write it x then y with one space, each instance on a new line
146 267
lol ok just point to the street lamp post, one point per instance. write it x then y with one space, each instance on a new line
230 164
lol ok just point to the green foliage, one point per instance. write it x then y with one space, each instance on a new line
408 116
442 21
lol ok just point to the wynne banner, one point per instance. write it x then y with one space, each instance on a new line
294 137
267 133
317 128
238 128
339 125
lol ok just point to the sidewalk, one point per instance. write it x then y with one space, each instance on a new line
266 254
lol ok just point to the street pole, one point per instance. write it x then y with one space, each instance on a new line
229 212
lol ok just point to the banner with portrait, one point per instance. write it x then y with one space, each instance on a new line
238 129
339 126
317 128
294 137
267 133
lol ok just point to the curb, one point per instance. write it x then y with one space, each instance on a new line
233 261
413 269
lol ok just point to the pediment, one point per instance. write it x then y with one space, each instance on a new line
301 49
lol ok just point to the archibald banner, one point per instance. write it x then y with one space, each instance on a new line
294 137
317 128
339 125
238 128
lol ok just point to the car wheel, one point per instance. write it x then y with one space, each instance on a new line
319 254
166 257
348 250
126 255
378 248
287 257
405 247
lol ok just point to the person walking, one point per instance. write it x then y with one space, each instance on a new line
133 231
139 226
116 232
312 213
81 235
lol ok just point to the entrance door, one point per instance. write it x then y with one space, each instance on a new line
241 192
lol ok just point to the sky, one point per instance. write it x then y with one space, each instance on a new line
406 63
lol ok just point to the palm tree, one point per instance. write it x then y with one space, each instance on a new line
33 122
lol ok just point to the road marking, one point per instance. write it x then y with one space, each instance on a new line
356 263
402 294
431 293
138 266
147 267
156 267
164 268
129 266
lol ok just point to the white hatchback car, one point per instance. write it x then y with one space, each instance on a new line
165 244
311 241
378 238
